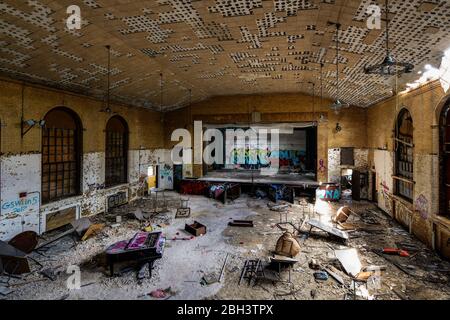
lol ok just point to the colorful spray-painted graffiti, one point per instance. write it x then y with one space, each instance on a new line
322 167
422 206
328 192
263 158
281 192
165 180
247 156
167 173
386 198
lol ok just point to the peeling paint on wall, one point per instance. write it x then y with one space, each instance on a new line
93 172
423 170
421 204
384 163
334 163
20 173
361 157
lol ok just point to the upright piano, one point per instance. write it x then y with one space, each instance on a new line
144 248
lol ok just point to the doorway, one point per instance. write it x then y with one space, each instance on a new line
352 183
347 184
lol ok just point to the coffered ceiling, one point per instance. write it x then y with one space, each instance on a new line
214 47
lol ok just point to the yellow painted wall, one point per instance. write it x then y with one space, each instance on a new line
145 128
425 105
277 108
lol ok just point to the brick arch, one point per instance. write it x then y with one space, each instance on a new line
404 155
116 151
61 147
444 158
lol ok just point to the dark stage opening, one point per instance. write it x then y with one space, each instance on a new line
256 162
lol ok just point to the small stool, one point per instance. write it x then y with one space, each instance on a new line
183 211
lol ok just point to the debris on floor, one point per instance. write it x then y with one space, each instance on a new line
328 229
349 260
271 258
5 291
196 229
241 223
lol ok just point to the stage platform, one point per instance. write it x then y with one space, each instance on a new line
245 177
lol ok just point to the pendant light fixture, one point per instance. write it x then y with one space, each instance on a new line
313 87
313 84
321 117
161 96
389 66
338 105
107 108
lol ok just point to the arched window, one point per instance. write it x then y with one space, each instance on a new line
116 152
444 175
404 156
61 154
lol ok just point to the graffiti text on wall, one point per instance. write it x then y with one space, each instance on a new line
329 195
167 173
264 158
21 205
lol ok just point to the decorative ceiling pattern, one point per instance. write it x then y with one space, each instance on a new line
215 47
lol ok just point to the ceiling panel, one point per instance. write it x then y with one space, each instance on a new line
213 47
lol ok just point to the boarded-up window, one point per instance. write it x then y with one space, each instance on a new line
347 157
116 152
404 156
61 150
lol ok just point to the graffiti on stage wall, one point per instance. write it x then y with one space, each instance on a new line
262 158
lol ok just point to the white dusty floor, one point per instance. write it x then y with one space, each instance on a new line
181 268
185 262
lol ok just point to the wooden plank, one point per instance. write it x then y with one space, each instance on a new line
60 218
404 180
334 275
241 223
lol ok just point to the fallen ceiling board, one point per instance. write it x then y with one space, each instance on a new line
349 260
328 229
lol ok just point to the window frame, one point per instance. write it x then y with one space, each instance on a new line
404 156
444 203
47 178
124 157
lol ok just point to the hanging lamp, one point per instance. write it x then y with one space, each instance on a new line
389 66
313 84
321 117
107 108
161 87
338 105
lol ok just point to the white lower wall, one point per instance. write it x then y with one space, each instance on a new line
19 173
361 157
22 174
384 164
